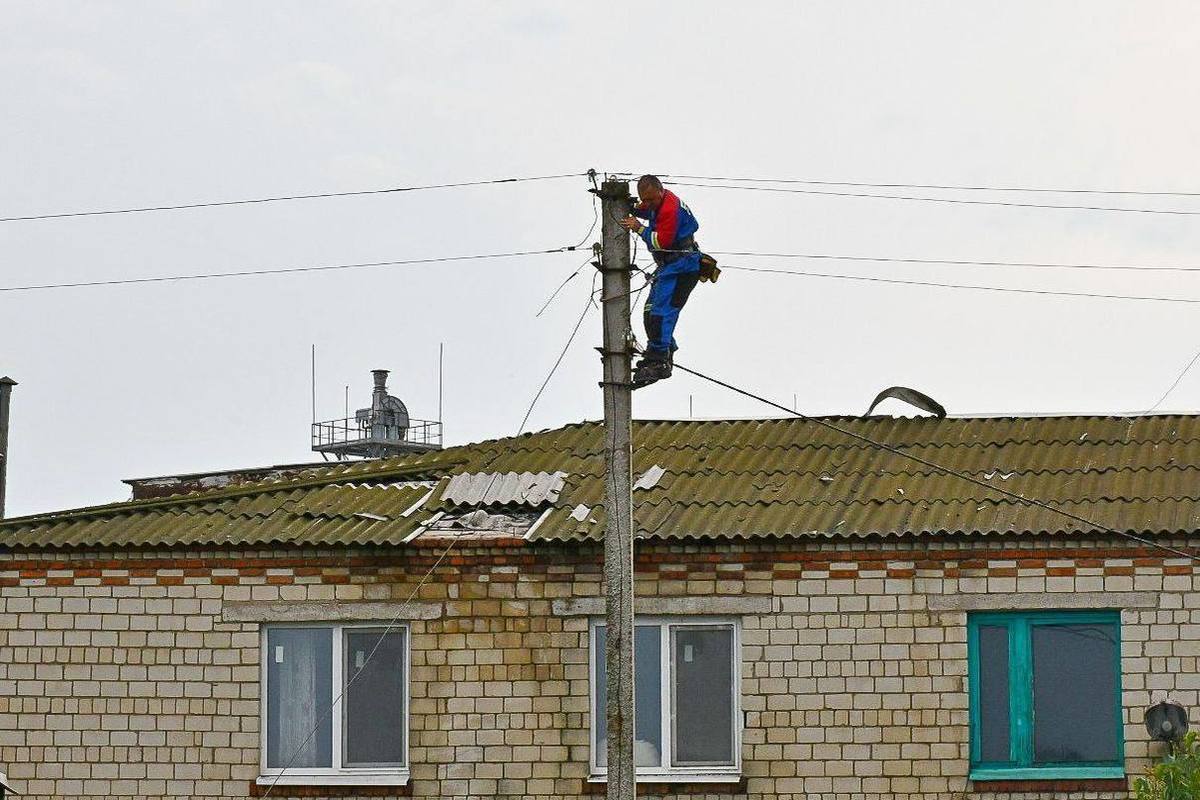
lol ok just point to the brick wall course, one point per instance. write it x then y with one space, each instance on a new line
120 677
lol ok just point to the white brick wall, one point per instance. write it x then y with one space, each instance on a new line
121 677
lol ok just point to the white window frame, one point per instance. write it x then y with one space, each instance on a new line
665 772
336 775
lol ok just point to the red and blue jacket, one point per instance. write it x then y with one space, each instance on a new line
671 224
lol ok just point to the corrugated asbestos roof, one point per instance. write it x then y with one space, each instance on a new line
746 478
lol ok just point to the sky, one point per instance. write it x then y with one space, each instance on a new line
123 104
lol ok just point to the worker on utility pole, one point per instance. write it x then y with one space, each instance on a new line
669 234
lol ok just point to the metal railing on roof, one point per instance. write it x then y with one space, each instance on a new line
375 435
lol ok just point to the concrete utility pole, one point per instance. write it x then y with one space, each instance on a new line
618 489
6 384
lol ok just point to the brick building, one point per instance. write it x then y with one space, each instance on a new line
817 619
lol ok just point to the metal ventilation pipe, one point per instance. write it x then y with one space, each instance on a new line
379 395
6 385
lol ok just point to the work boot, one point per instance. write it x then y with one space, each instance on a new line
654 366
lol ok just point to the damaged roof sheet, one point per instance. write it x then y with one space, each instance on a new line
503 488
703 479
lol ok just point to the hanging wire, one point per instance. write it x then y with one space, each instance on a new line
952 262
1029 501
283 270
949 200
937 186
288 198
567 346
970 287
1174 384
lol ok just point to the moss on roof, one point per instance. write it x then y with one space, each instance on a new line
738 478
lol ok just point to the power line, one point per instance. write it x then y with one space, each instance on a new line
284 270
934 465
938 186
288 198
569 278
570 339
954 201
955 262
939 285
1175 383
561 286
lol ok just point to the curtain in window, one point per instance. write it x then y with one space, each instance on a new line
647 697
299 682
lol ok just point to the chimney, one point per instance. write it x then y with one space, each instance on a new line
6 385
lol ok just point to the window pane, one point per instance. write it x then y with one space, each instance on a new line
374 707
1074 693
647 697
703 696
299 691
993 693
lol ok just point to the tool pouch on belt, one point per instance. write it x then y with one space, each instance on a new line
709 271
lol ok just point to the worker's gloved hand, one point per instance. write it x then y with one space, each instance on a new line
632 224
709 271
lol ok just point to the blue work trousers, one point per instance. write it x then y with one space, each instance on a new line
672 285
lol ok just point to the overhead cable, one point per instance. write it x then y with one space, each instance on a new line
283 270
938 186
955 262
1178 378
1029 501
971 287
288 198
951 200
553 369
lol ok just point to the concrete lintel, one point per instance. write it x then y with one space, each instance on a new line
325 611
1041 601
694 606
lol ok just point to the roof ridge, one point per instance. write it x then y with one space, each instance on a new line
227 493
911 501
373 469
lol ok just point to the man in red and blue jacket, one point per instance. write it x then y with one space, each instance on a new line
669 234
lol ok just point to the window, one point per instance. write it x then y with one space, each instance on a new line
358 671
685 700
1045 695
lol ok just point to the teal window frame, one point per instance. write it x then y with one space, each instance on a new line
1020 765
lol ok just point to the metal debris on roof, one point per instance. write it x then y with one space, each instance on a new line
581 512
650 478
515 523
504 488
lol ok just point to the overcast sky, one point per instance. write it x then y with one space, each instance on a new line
115 104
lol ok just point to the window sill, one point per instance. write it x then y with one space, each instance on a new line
1048 774
347 778
676 777
676 784
1057 786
